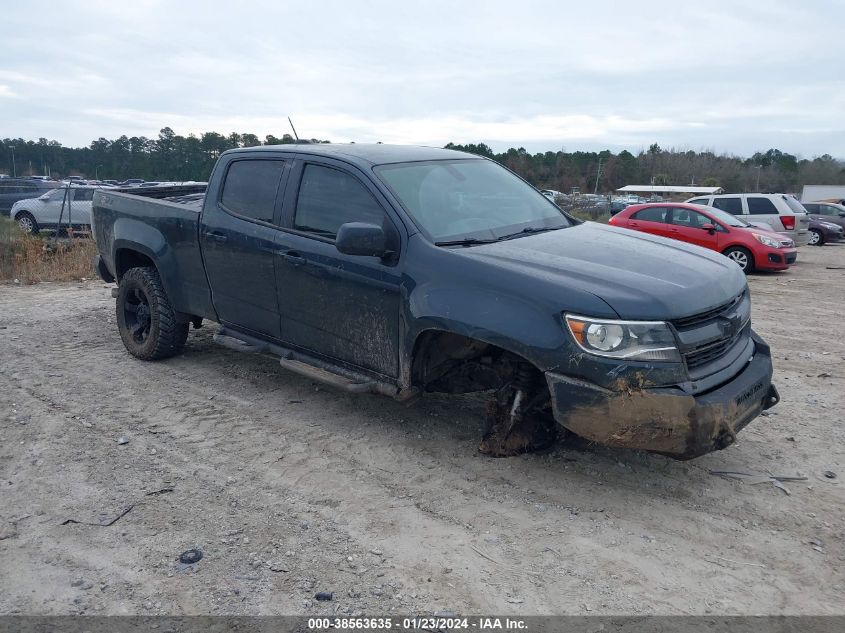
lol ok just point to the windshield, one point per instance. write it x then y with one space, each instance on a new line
471 199
726 218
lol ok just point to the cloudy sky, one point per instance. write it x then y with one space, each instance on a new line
735 76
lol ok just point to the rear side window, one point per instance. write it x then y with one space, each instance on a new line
761 206
813 208
796 206
652 214
250 188
329 197
702 202
82 195
731 205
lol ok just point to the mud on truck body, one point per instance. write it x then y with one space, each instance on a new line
404 270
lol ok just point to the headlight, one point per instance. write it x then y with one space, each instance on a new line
766 240
631 340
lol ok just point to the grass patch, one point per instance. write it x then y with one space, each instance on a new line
32 258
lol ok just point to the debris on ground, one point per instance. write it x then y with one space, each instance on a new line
191 556
122 440
324 596
829 474
759 478
100 524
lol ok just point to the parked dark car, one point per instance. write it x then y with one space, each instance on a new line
827 211
822 232
403 270
14 189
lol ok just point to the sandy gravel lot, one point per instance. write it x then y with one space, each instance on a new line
290 488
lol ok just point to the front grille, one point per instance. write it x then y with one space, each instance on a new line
702 317
704 354
700 327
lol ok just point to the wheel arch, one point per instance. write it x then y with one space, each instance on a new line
450 362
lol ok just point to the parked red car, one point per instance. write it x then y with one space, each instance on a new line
751 247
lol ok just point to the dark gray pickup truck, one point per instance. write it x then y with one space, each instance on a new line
401 270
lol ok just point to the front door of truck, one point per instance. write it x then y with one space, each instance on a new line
341 307
237 234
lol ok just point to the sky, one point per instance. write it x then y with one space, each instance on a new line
735 77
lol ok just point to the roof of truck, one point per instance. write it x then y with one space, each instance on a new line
371 154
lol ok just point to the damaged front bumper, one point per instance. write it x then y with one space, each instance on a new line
666 420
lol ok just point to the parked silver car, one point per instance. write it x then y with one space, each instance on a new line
780 211
46 211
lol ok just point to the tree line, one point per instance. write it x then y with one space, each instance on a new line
174 157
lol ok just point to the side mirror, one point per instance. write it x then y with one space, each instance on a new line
359 238
710 228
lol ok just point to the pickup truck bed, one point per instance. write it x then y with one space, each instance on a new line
163 224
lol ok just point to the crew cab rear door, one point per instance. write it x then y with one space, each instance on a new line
342 307
238 233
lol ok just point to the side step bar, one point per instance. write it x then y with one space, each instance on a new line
311 367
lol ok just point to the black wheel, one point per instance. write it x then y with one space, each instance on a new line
146 320
742 256
816 238
27 223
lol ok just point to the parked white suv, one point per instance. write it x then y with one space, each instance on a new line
780 211
35 214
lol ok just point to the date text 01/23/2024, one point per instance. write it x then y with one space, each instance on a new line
416 623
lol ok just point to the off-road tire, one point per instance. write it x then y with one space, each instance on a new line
817 238
29 225
736 253
146 320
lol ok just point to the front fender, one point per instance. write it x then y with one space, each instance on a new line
505 321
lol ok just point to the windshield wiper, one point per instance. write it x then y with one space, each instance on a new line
467 241
528 230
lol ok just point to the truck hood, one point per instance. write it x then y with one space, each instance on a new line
639 276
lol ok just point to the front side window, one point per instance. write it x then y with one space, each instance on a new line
250 188
826 209
652 214
689 218
761 206
329 198
468 199
731 205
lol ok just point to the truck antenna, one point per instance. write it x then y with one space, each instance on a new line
294 129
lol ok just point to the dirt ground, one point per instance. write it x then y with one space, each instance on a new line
290 488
